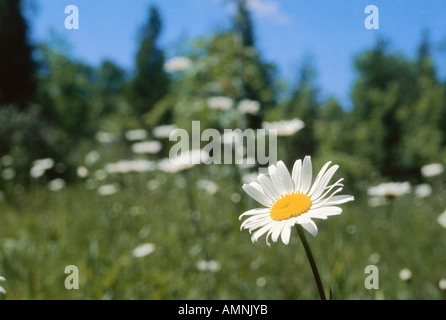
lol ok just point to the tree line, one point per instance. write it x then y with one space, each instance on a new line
50 103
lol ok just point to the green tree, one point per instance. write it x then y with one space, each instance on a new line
150 83
304 105
66 92
17 68
381 95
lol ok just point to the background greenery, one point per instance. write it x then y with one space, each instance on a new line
53 106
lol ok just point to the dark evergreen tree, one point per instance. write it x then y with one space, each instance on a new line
17 68
151 82
258 87
304 105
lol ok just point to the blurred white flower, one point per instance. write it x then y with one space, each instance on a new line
136 134
8 173
207 185
210 265
284 127
177 64
40 166
105 137
405 274
261 281
184 161
108 189
377 201
248 106
56 184
389 189
82 172
7 160
126 166
2 290
92 157
442 219
442 284
236 197
146 147
432 169
423 190
100 174
374 258
143 250
163 131
220 103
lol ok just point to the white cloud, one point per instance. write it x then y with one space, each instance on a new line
269 9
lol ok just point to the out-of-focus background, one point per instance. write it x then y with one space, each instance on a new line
85 116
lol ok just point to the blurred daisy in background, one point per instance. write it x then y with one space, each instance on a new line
284 127
163 131
442 219
292 199
431 170
40 166
146 147
405 274
389 189
2 290
220 103
136 134
247 106
423 190
143 250
177 64
208 265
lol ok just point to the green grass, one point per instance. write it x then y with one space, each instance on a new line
42 232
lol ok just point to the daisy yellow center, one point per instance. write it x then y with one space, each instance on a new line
290 206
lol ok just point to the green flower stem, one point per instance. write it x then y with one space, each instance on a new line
192 211
310 257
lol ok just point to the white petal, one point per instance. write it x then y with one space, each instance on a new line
285 235
262 231
256 222
253 212
307 175
255 191
324 212
284 177
276 230
274 175
332 200
296 174
268 187
310 226
324 182
336 184
318 178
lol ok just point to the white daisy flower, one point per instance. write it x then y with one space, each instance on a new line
247 106
143 250
220 103
390 189
284 128
177 64
431 170
292 199
2 290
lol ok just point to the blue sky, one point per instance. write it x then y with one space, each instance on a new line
332 32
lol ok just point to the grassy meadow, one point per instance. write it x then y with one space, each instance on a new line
43 231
